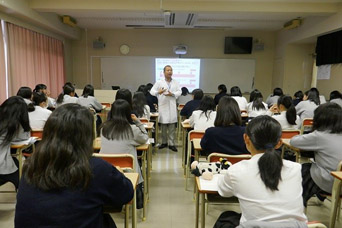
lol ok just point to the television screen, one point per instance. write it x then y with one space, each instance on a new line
238 45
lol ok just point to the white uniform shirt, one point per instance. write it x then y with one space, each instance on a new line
253 112
242 102
337 101
167 106
281 118
258 202
200 122
38 117
67 100
271 100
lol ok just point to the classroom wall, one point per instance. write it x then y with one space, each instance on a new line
334 83
155 42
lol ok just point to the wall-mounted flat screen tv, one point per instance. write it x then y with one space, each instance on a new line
238 45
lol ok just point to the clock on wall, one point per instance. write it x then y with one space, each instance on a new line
124 49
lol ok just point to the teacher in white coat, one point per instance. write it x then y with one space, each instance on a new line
167 91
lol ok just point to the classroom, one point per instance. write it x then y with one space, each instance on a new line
94 36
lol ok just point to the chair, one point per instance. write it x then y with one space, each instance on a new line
108 105
335 199
307 123
124 161
191 135
37 133
143 120
214 157
288 134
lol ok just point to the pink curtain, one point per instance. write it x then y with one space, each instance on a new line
3 83
34 58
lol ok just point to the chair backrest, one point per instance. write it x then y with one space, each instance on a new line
193 134
37 133
180 106
108 105
214 157
143 120
121 160
339 166
287 134
307 123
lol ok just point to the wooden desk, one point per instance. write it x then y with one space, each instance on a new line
149 126
336 194
145 149
185 128
19 155
155 117
286 144
133 177
197 148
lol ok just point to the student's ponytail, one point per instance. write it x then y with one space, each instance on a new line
270 165
264 133
291 114
60 98
30 107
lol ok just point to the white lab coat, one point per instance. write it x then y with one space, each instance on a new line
167 106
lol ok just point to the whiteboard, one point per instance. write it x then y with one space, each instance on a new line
132 71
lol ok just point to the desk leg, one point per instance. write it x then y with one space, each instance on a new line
202 210
157 131
134 211
143 161
336 192
126 215
197 207
184 150
20 158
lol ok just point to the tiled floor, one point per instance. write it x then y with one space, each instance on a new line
170 206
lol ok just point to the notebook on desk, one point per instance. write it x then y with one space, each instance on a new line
210 185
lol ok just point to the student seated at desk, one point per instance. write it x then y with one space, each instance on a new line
205 115
42 88
227 135
67 97
140 107
122 132
287 117
268 188
38 112
185 97
336 97
62 184
256 106
14 127
273 98
88 99
222 89
305 109
192 105
26 93
235 93
326 142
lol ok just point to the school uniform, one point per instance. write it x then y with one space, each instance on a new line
51 102
90 102
74 207
189 108
226 140
151 100
200 122
38 117
27 101
272 99
7 164
184 99
305 109
252 112
258 203
218 97
242 102
67 99
127 146
327 150
285 125
337 101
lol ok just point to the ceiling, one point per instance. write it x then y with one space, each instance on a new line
268 15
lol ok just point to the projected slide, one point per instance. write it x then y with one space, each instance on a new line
185 71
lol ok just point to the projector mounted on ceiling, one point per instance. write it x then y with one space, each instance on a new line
295 23
180 49
179 20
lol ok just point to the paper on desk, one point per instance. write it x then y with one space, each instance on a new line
210 185
28 141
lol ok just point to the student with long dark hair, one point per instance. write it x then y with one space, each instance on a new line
205 115
42 88
62 184
256 106
235 93
68 95
124 94
336 97
88 99
152 101
26 93
222 89
227 135
326 142
140 106
268 188
14 126
287 117
311 101
189 107
122 132
38 112
273 98
185 97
